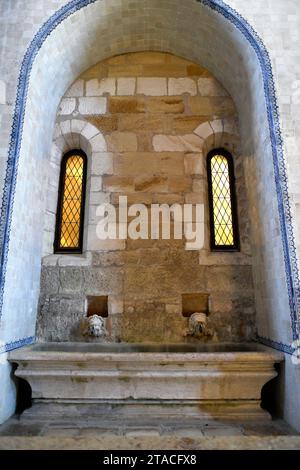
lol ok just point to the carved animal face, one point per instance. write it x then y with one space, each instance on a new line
197 323
95 326
198 318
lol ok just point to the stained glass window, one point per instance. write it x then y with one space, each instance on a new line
70 210
223 215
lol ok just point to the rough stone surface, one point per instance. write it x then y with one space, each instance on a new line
122 142
126 86
185 143
105 427
178 86
67 106
87 440
154 156
100 87
76 90
210 87
92 105
152 86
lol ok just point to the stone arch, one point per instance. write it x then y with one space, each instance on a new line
217 133
224 133
186 34
76 133
68 135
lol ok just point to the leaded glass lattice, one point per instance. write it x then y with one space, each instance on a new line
222 202
71 203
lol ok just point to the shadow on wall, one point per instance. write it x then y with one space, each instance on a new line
272 393
24 393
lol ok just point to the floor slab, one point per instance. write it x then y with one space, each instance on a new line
104 442
38 427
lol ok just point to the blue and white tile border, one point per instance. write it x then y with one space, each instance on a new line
286 348
16 344
291 267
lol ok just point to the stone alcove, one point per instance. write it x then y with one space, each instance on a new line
212 35
146 122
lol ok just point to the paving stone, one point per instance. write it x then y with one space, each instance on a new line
18 429
141 432
190 432
95 431
154 443
64 432
105 421
222 431
266 429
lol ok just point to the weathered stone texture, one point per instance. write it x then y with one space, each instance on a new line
126 86
149 282
155 126
105 124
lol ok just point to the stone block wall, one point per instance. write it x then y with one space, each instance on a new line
147 121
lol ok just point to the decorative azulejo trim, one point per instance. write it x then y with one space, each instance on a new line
286 348
291 267
283 202
17 344
17 129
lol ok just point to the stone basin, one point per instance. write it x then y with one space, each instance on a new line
205 380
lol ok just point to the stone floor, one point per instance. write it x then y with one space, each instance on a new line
135 428
62 424
107 443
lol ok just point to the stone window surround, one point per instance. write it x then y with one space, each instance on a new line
80 134
70 135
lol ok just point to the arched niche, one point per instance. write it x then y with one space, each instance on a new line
207 32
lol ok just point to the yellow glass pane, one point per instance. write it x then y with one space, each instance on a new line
71 205
222 210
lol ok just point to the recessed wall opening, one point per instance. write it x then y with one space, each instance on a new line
192 303
97 305
204 112
24 395
147 137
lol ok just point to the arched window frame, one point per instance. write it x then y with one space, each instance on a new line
61 191
236 242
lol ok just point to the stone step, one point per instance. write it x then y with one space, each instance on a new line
102 442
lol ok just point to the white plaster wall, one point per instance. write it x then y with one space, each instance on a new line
290 392
8 389
195 33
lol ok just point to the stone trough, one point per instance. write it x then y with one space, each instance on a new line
218 381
